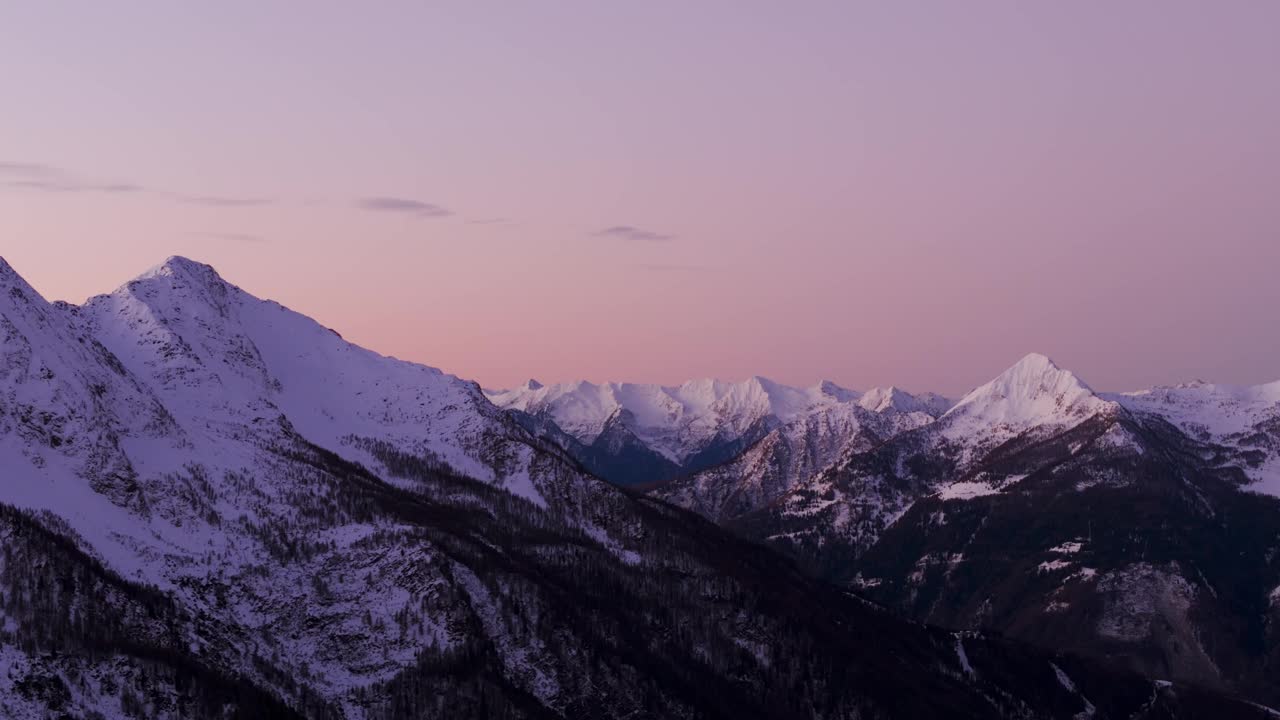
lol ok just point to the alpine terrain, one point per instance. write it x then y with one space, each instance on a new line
212 506
1140 529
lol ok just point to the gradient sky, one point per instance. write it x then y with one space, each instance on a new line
902 192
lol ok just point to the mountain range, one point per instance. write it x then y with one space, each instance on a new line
213 506
1139 528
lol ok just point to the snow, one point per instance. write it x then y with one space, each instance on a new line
208 372
1228 415
159 449
892 399
970 489
1216 409
1035 392
221 358
678 421
966 490
1089 709
964 657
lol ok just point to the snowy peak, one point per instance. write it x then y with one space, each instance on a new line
178 265
224 360
17 290
189 280
683 422
827 388
1244 419
1035 391
893 399
8 275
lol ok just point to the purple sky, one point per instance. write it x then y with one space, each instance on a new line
909 193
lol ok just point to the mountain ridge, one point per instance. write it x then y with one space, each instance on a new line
290 516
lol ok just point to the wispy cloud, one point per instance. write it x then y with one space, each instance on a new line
667 267
221 201
403 206
48 178
629 232
38 176
27 169
231 236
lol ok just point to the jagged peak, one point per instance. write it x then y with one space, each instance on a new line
177 266
881 398
1036 368
1034 389
1034 362
762 382
532 384
9 278
831 389
186 278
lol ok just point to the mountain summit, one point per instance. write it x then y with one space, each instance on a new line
1033 392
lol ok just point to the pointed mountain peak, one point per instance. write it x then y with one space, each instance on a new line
532 384
186 277
177 266
9 276
1035 370
1035 362
1034 390
11 280
175 287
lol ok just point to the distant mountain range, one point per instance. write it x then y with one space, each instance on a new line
1139 528
646 434
212 506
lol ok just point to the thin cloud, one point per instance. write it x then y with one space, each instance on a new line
69 185
26 169
221 201
403 206
231 236
629 232
667 267
47 178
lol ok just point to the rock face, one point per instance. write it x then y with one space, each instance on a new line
1133 528
212 506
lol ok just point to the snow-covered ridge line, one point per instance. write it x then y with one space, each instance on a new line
678 421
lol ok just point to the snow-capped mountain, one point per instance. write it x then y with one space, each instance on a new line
788 455
891 398
1032 395
211 506
1242 420
225 361
1029 404
680 430
1114 525
181 425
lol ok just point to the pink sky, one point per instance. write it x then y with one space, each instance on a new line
909 193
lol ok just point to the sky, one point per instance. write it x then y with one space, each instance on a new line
909 193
